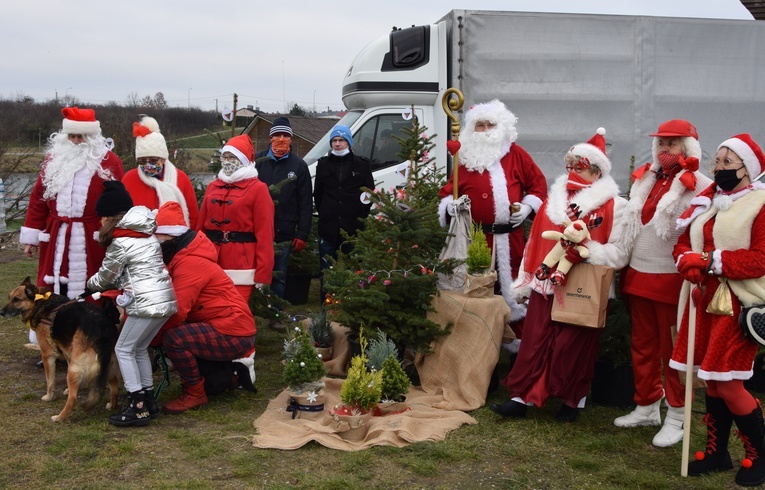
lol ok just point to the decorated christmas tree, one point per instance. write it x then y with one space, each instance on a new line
388 281
303 369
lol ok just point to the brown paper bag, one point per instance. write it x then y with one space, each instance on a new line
584 298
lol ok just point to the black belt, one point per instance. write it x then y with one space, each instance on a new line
218 236
497 228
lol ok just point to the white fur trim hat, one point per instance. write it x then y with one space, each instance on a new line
241 146
149 142
750 152
170 220
80 121
594 150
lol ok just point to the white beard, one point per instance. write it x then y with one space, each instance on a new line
65 159
482 150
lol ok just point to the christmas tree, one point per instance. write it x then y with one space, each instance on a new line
388 281
304 368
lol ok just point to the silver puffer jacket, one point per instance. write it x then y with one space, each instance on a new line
135 265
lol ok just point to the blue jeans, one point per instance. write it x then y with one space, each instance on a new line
279 277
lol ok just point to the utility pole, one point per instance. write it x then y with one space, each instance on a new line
233 118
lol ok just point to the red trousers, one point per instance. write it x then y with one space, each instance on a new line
651 350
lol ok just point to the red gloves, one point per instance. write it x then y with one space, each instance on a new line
572 255
694 265
298 244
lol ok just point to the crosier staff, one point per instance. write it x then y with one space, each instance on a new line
452 102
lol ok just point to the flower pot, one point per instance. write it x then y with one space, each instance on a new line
325 352
352 425
297 287
613 386
480 285
389 408
306 405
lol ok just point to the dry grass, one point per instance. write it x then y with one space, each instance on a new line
211 448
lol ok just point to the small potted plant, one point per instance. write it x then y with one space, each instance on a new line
320 331
383 356
480 278
360 392
303 373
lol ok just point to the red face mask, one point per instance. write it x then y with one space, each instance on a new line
668 162
280 146
576 182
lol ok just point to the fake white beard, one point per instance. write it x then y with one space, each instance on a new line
481 150
66 158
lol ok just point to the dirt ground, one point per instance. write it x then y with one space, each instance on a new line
10 250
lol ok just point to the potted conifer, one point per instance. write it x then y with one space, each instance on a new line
303 373
320 331
360 392
480 278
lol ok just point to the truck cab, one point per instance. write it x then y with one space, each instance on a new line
392 80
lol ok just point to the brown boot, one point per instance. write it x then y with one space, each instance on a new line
192 396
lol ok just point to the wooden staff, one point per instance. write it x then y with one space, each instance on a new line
688 383
452 105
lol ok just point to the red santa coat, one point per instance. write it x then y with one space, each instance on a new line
143 195
205 293
66 228
242 207
516 179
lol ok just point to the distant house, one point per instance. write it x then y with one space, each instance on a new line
306 131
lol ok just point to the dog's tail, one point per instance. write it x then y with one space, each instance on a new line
104 348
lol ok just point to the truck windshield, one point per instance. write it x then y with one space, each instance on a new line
322 147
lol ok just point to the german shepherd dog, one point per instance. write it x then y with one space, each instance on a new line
84 333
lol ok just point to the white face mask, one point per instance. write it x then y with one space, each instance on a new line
341 153
230 167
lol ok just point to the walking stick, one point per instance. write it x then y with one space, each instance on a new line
452 105
688 383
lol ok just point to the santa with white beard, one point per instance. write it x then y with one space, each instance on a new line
61 219
497 174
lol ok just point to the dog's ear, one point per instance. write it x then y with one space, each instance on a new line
30 290
26 282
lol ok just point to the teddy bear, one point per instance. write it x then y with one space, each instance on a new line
572 238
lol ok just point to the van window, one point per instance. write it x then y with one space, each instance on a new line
375 140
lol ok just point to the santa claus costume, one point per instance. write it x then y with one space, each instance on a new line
237 215
660 192
496 173
723 251
557 359
61 219
153 184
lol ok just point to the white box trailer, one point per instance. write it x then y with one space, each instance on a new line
563 75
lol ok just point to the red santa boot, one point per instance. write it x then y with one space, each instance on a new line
192 396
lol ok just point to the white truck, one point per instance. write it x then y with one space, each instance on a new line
563 76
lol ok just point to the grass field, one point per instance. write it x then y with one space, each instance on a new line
212 447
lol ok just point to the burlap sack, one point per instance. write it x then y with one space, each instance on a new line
480 285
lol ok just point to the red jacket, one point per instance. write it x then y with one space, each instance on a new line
205 294
144 195
242 207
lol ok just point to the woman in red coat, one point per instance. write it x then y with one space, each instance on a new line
237 215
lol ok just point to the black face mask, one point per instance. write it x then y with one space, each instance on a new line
727 179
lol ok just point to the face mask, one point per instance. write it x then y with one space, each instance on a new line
576 182
152 169
341 153
230 167
667 161
280 146
727 179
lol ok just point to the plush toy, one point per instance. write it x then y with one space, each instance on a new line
572 239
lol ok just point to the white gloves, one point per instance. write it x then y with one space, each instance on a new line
519 217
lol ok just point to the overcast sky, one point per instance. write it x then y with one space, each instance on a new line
199 53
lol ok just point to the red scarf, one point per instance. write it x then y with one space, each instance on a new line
124 232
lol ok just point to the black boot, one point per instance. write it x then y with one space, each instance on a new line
135 414
716 457
151 403
567 413
510 408
751 430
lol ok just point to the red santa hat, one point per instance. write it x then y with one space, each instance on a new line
149 142
595 151
677 128
241 146
170 220
744 146
80 121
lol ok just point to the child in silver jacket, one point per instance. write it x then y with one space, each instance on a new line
133 263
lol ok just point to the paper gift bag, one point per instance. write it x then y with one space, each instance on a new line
584 298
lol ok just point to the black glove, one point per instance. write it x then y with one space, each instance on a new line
85 294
